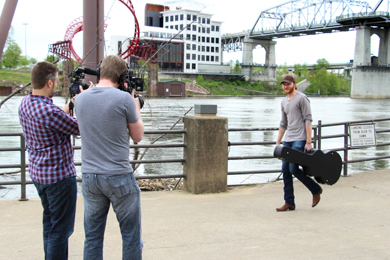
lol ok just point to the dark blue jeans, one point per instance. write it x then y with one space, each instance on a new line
122 192
290 169
59 210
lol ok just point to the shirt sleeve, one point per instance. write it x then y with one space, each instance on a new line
306 110
131 114
283 121
64 123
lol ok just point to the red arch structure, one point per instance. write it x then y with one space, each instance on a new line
65 48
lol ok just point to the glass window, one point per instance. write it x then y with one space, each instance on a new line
194 27
212 49
188 37
177 17
188 46
212 39
187 66
194 56
203 48
198 57
194 37
212 28
203 20
208 20
181 17
212 58
181 27
216 40
188 17
203 30
203 39
177 27
171 18
217 28
208 30
207 49
203 57
208 39
166 18
207 58
194 47
194 17
217 49
188 56
193 66
217 58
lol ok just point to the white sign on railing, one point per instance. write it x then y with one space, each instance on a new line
362 135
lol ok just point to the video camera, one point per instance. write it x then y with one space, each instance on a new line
76 78
127 82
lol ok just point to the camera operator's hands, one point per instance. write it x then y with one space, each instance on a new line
137 100
81 87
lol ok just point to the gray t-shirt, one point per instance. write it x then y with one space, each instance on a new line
103 114
296 114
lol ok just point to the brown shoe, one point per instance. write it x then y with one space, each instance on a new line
316 198
285 207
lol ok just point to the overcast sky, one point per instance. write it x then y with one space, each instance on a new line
47 21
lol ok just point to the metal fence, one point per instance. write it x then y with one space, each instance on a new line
318 139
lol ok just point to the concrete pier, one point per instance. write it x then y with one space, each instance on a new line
207 151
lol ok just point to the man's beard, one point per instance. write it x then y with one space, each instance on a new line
288 90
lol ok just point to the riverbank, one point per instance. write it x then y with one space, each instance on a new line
350 222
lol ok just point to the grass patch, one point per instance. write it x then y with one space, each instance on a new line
15 76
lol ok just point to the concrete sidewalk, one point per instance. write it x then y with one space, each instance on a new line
352 221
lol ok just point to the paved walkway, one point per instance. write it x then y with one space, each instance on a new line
351 222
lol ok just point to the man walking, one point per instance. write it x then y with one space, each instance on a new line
108 118
296 123
47 129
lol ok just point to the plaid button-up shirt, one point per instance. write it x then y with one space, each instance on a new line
47 129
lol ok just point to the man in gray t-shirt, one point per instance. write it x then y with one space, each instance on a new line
107 118
296 127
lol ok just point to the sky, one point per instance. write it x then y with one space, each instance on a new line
47 21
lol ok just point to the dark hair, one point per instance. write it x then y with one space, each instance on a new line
42 72
112 67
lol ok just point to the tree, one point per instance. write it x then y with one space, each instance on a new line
322 63
11 56
237 68
282 70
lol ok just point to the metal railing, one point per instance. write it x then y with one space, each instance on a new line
318 139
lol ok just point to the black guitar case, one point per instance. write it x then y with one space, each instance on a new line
325 166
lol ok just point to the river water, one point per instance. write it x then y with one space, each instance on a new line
242 112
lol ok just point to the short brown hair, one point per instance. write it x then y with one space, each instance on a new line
112 67
42 72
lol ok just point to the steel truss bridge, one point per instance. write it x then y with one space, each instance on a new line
309 17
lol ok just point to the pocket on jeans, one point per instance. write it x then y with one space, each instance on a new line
120 185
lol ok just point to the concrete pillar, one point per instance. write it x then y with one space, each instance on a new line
270 60
362 47
68 67
152 80
93 33
206 152
247 57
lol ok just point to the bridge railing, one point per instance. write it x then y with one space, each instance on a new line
320 140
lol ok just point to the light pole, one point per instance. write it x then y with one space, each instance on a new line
25 39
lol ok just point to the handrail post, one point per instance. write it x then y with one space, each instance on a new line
23 168
319 134
345 170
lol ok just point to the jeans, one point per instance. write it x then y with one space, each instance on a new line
59 210
290 169
122 191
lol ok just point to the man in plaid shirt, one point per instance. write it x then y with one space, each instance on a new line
47 129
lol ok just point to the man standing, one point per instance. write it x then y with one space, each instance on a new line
107 117
296 122
47 129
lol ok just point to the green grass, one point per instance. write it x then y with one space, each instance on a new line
13 75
